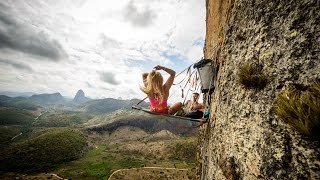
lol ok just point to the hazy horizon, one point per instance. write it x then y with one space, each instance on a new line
29 94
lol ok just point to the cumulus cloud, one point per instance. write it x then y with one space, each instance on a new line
142 19
17 65
19 36
125 38
109 77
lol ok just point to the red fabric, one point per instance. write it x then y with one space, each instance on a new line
159 107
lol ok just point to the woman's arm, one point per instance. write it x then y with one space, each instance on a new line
169 71
170 80
198 106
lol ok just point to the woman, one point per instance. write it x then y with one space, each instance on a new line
158 92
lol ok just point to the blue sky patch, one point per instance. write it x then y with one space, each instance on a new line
198 42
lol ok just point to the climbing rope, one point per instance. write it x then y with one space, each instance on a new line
188 69
191 79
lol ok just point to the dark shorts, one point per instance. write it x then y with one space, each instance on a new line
194 114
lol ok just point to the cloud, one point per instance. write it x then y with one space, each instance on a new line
108 42
107 89
19 36
109 77
89 85
125 38
141 19
16 65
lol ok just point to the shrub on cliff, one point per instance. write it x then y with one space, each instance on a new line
252 76
301 109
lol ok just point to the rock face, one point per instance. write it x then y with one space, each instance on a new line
244 138
80 97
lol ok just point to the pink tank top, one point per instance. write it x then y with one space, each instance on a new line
159 107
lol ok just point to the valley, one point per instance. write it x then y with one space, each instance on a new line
71 142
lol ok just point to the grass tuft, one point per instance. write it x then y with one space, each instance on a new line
301 109
252 76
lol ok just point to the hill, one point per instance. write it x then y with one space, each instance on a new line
100 106
131 147
62 119
16 94
7 134
57 102
147 122
47 99
18 102
43 151
13 116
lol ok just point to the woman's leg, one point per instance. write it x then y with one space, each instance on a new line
174 108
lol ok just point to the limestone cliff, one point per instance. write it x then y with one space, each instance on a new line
244 138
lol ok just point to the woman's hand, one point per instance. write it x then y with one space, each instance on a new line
167 85
158 67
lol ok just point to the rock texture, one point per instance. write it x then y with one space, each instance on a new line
244 138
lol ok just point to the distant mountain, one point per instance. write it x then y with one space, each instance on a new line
80 98
134 102
97 106
47 99
18 102
16 94
107 105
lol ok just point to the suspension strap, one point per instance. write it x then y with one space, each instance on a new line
189 70
142 100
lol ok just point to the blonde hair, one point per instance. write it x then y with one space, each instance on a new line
153 85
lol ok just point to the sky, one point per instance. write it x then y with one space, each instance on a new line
99 46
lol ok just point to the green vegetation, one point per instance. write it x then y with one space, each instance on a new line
41 148
184 150
18 102
252 76
12 116
25 104
63 119
99 163
301 109
14 134
44 150
6 134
